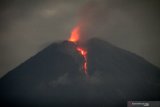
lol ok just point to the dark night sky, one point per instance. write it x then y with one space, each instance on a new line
28 26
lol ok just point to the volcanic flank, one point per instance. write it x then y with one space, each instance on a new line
54 77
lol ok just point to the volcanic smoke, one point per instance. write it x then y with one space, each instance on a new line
75 35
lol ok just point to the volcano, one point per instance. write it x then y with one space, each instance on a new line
54 77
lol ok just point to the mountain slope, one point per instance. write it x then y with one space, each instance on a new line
53 78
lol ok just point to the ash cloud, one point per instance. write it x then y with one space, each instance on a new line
132 25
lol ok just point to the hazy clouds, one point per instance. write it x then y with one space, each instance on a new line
29 26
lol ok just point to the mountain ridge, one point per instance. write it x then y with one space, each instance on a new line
53 78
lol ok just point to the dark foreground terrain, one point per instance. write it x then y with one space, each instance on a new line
54 78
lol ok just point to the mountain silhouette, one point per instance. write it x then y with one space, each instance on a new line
54 77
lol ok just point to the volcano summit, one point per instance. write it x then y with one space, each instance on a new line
54 77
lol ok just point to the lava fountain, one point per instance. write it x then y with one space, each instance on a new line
75 35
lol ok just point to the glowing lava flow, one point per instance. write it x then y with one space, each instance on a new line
74 38
84 54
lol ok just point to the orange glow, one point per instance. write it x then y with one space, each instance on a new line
85 68
75 34
84 54
82 51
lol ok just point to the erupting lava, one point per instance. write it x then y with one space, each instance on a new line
75 38
75 34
